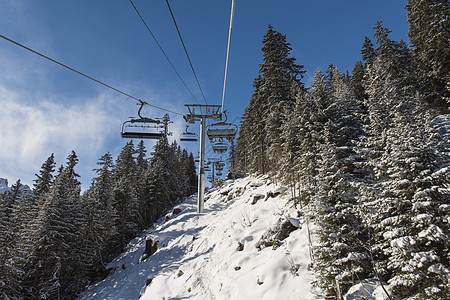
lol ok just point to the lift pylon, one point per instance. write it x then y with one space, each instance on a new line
200 112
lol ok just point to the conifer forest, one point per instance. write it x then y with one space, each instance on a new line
368 151
366 154
57 241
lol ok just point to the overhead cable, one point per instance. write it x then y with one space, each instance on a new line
184 47
228 52
87 76
162 50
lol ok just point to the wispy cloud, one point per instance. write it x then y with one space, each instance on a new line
29 133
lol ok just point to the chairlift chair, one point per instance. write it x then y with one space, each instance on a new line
221 130
188 136
142 127
219 147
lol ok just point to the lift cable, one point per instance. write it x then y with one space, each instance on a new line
185 50
162 50
228 52
87 76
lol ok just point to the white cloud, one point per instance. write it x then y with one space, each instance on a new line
29 133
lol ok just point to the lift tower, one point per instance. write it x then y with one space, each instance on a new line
200 112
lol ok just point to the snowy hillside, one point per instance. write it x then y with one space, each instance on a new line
215 255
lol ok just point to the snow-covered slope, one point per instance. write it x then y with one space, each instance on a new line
214 255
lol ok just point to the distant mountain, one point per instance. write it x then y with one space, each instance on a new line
4 185
5 188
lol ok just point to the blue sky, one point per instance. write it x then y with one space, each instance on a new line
45 108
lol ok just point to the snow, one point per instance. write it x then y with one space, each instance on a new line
403 242
5 188
214 255
367 290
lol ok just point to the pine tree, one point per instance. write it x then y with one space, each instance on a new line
18 212
429 32
53 264
368 52
158 196
242 146
8 284
100 220
142 165
408 235
356 83
188 173
125 195
271 102
279 72
292 142
340 254
254 125
44 180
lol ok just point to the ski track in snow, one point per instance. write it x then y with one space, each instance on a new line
198 256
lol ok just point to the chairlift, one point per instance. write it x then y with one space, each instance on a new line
188 136
219 165
219 173
207 168
219 147
221 130
142 127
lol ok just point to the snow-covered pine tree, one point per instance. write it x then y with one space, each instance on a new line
292 141
20 223
125 195
142 165
5 224
9 282
44 179
53 268
158 175
429 33
415 234
385 87
252 132
260 142
406 203
176 182
242 153
340 254
356 83
279 72
189 173
100 221
368 52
